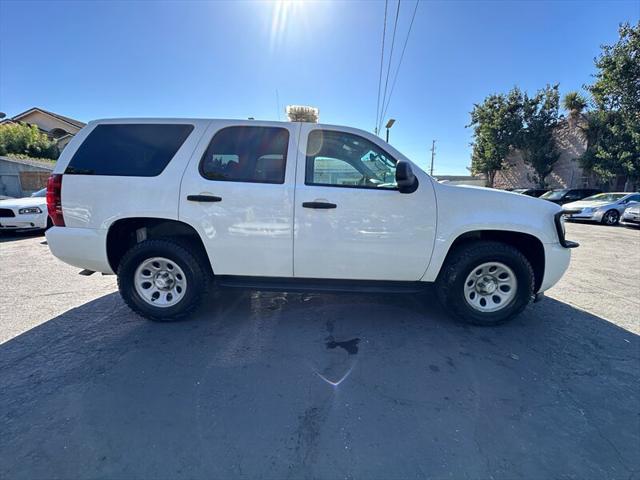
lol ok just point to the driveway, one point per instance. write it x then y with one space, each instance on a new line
262 385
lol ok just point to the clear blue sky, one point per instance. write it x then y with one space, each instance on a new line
93 60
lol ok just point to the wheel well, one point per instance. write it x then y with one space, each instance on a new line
530 246
125 233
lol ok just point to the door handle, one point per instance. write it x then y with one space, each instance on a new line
320 205
203 198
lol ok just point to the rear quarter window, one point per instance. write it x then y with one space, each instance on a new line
135 150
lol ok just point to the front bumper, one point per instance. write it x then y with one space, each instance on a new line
24 222
630 220
594 216
557 259
557 220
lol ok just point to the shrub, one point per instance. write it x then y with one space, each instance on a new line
24 139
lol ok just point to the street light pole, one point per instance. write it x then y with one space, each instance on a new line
433 153
388 126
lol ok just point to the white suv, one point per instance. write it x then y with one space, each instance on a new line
175 205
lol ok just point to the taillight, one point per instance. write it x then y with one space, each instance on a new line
54 199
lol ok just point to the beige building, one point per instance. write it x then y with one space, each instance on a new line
57 127
567 173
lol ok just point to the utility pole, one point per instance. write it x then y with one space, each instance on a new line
433 154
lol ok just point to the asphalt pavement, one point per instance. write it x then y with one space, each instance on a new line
264 385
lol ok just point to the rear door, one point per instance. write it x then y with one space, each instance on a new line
238 192
351 222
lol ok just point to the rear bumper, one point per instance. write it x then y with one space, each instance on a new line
81 247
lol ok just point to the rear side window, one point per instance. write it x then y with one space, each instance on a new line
133 150
247 154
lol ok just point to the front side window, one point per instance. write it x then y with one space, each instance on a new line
342 159
574 195
136 150
247 154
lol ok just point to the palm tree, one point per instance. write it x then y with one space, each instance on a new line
574 103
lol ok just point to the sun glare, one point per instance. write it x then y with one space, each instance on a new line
285 14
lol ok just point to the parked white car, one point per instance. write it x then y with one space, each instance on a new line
29 213
173 206
631 216
605 208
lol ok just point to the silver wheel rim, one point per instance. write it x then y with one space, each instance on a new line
610 218
160 282
490 287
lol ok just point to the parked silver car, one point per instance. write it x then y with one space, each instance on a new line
631 216
605 208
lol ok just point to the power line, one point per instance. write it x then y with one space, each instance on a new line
386 82
384 33
395 78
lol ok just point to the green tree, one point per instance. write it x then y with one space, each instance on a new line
617 85
27 140
613 147
613 127
536 139
496 125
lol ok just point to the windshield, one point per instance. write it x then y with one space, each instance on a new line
605 197
554 194
40 193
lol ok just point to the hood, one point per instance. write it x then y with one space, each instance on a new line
586 204
24 202
499 198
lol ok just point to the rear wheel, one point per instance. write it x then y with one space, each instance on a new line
611 217
162 280
485 283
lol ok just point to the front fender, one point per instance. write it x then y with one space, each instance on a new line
462 210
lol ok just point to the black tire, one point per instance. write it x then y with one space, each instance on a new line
611 217
450 284
197 278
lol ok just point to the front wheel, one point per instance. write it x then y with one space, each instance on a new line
161 280
485 283
611 217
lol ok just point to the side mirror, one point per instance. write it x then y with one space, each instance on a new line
405 178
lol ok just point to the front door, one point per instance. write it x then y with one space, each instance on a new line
238 191
351 222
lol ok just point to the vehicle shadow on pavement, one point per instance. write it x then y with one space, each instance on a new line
319 386
13 236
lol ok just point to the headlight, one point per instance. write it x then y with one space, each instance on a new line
28 210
